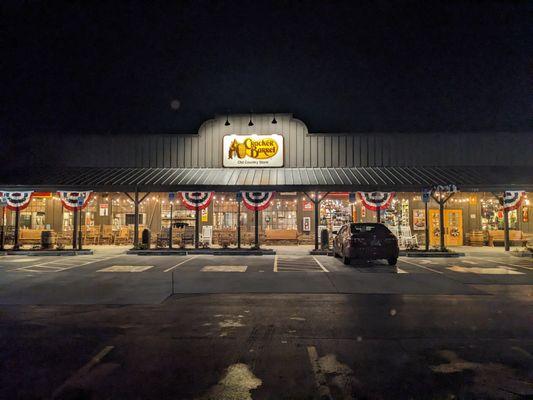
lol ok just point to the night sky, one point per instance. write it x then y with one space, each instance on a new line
338 66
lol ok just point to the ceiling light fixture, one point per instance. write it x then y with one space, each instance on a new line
251 122
274 119
227 121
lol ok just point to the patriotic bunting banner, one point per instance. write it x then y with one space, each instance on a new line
196 200
16 200
512 200
257 200
376 200
74 201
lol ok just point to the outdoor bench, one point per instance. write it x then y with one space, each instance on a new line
497 236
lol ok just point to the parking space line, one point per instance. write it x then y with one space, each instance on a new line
60 265
297 264
181 263
276 263
422 266
503 262
320 264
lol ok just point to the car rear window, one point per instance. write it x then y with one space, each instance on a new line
367 228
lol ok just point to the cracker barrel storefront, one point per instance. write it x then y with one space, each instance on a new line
233 183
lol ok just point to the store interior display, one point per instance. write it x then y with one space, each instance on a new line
334 213
492 216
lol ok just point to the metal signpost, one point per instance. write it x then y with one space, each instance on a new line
171 197
352 198
80 238
426 196
239 201
3 232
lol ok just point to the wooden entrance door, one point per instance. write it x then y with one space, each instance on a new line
453 227
434 229
453 222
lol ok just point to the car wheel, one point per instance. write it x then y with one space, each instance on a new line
346 260
392 260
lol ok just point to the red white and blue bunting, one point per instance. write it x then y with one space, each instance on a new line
196 200
512 199
257 200
376 200
16 200
74 201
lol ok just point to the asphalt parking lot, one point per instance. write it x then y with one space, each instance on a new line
290 326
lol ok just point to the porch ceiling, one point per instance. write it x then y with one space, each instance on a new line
468 178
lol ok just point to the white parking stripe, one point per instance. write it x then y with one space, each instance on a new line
422 266
320 264
503 262
181 263
61 264
276 263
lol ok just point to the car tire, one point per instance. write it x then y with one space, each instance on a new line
346 260
392 260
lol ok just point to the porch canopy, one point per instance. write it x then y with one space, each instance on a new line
468 178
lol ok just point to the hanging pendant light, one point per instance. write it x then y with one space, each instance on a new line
227 121
274 119
251 123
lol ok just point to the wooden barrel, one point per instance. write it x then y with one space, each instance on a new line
48 239
477 238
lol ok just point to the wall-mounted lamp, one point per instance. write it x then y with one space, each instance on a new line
274 119
251 123
227 121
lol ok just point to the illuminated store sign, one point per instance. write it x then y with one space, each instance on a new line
253 151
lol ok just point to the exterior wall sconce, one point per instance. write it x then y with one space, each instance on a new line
274 119
251 123
227 121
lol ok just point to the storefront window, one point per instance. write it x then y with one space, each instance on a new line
33 216
181 216
281 214
335 212
492 216
277 219
225 211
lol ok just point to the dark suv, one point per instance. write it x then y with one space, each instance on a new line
366 241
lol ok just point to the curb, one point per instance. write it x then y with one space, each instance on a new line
526 254
431 254
65 253
214 252
321 252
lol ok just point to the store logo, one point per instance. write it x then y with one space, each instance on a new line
259 149
253 151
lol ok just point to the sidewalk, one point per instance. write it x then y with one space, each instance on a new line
486 250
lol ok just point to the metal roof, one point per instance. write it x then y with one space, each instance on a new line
227 179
